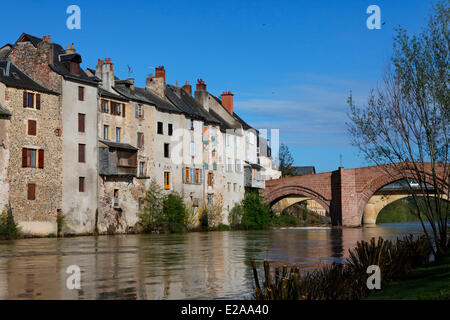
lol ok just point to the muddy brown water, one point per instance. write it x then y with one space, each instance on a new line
214 265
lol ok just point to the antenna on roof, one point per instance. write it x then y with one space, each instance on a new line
130 71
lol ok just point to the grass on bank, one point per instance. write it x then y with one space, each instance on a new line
426 283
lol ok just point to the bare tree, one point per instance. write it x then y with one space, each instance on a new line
405 125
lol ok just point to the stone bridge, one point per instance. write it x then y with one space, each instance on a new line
347 194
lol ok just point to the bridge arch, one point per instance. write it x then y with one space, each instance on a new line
297 191
371 204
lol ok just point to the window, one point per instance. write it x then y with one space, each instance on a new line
106 132
197 176
141 169
124 108
205 134
234 187
160 127
238 166
187 175
28 100
228 140
166 180
214 166
105 106
115 108
81 122
140 139
210 179
166 150
213 136
82 153
81 184
32 127
74 67
81 93
210 199
229 186
190 124
116 197
31 157
140 202
138 110
117 134
31 191
170 129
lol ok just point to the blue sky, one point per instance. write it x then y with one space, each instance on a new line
290 64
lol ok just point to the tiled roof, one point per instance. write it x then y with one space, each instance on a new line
12 76
111 95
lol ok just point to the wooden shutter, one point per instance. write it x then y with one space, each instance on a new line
201 176
81 184
24 99
123 109
184 174
31 191
81 152
142 140
38 101
32 127
24 157
81 93
81 122
41 159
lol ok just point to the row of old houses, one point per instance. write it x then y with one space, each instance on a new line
85 144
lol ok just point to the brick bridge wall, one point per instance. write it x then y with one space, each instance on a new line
344 193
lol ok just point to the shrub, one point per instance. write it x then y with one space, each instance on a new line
285 220
223 227
9 229
174 213
60 222
256 215
235 216
204 218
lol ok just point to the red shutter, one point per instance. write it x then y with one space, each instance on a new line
81 122
32 127
31 191
24 99
24 157
38 101
81 153
41 159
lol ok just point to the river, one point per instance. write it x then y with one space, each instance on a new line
213 265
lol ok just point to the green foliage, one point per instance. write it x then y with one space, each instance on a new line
347 280
204 218
256 214
223 227
9 229
151 216
60 223
235 216
285 220
174 213
285 161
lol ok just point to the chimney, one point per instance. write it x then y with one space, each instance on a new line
105 71
44 38
187 88
201 85
70 49
157 83
227 101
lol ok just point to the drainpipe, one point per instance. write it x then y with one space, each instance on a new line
98 160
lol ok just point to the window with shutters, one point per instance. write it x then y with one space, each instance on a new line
140 139
197 176
118 134
170 129
116 197
138 110
81 184
31 191
210 179
187 175
160 128
31 127
105 106
82 153
166 150
32 158
28 100
81 93
81 122
106 132
166 180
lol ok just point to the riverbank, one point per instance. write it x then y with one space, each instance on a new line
427 283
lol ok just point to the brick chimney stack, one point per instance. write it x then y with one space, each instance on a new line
157 83
227 101
105 71
201 95
201 85
187 88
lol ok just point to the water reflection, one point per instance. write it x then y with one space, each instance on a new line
181 266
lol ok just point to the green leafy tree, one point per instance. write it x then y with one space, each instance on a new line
151 216
174 213
405 124
286 161
9 229
256 214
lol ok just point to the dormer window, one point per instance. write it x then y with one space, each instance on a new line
74 67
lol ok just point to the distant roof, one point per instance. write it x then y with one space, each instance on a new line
12 76
4 111
118 145
24 37
111 95
301 171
